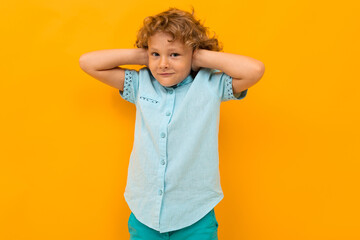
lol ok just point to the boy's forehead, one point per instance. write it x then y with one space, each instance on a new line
161 41
165 48
171 46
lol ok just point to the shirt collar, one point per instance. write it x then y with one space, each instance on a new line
187 80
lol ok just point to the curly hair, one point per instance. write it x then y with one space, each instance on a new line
181 25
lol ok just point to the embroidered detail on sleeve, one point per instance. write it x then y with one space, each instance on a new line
229 94
128 93
228 88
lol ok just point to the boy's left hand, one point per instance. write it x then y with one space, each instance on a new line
194 64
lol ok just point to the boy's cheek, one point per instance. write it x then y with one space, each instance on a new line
150 64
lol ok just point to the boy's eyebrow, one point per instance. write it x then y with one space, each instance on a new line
170 49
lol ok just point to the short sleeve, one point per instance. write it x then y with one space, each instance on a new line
222 85
131 86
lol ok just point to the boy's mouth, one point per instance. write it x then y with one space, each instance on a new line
165 74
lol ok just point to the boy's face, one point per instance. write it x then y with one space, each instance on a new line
169 62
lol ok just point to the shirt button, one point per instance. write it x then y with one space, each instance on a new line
162 134
162 162
168 113
160 192
171 91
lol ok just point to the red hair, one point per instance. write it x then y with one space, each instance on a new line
181 25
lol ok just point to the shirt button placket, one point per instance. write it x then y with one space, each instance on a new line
169 105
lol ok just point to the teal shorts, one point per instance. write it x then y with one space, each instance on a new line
204 229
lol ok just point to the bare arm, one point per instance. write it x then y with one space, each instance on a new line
245 71
103 64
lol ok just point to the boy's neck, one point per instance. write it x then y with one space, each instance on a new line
193 74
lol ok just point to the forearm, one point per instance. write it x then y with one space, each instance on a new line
234 65
111 58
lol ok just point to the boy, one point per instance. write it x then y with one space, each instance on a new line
173 180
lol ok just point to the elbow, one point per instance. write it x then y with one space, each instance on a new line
82 62
257 72
260 70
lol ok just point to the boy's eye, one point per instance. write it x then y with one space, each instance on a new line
173 54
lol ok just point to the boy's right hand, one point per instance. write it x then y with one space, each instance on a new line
144 56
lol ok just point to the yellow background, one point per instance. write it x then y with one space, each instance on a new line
289 152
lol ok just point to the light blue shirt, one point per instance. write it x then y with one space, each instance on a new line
173 176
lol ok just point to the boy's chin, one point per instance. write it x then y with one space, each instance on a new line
167 85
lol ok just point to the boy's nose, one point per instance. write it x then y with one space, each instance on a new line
164 63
